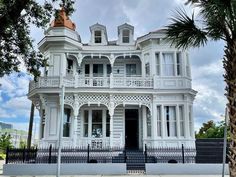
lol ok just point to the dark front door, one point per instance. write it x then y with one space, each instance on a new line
131 128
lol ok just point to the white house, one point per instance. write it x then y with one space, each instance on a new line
129 92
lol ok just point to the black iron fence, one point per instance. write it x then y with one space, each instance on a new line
169 155
101 155
68 155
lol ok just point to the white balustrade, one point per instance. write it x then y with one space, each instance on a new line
77 81
133 82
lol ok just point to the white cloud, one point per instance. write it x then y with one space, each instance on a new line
21 105
6 114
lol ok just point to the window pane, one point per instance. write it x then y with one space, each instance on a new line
170 115
149 128
125 36
130 69
107 124
97 123
181 117
97 116
125 32
190 121
157 64
86 115
98 37
87 69
179 68
158 121
66 123
108 70
168 64
97 70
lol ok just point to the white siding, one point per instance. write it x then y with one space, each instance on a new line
118 124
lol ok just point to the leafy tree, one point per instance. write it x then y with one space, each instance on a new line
212 130
22 144
216 20
16 45
5 141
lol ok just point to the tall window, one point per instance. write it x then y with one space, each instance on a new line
181 119
147 69
168 64
187 66
190 121
96 123
87 70
69 66
86 118
43 123
98 70
147 64
149 126
125 36
158 121
158 64
170 115
130 69
178 60
66 122
98 36
107 124
108 70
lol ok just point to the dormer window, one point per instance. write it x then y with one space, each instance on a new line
98 36
125 36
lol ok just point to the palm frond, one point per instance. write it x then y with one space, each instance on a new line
217 15
183 32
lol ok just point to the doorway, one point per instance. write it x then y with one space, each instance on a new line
131 128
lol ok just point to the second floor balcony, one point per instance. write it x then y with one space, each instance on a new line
111 82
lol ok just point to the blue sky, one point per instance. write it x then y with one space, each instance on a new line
145 16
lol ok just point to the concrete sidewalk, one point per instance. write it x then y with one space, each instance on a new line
133 175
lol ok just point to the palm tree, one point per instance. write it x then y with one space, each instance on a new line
216 21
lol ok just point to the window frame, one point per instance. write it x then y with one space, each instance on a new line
67 123
98 37
166 66
170 133
126 69
126 37
90 123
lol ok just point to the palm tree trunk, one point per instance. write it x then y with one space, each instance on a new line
230 78
30 126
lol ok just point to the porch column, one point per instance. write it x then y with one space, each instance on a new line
111 130
154 123
186 121
144 115
163 122
177 120
111 113
75 130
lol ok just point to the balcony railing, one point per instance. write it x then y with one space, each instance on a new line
99 82
137 82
